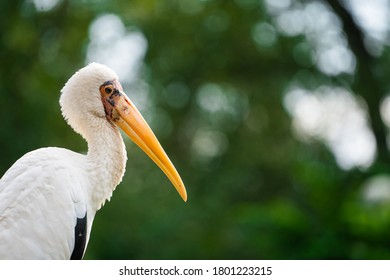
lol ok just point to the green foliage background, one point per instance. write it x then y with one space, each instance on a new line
266 194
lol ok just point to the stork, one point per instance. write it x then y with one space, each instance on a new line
49 197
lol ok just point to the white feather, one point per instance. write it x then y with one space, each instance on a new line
45 191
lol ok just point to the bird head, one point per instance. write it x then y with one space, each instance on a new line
94 95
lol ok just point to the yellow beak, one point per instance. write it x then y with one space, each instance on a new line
125 115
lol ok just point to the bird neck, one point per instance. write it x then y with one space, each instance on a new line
106 160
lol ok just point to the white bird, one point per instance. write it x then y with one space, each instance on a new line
49 197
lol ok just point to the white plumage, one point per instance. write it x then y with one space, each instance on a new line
46 194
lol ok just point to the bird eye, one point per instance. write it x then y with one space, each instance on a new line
108 90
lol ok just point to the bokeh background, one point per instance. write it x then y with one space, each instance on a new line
276 114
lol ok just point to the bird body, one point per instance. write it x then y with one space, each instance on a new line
24 217
49 197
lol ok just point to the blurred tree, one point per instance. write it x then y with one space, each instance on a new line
223 84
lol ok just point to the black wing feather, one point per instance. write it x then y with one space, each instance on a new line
80 233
